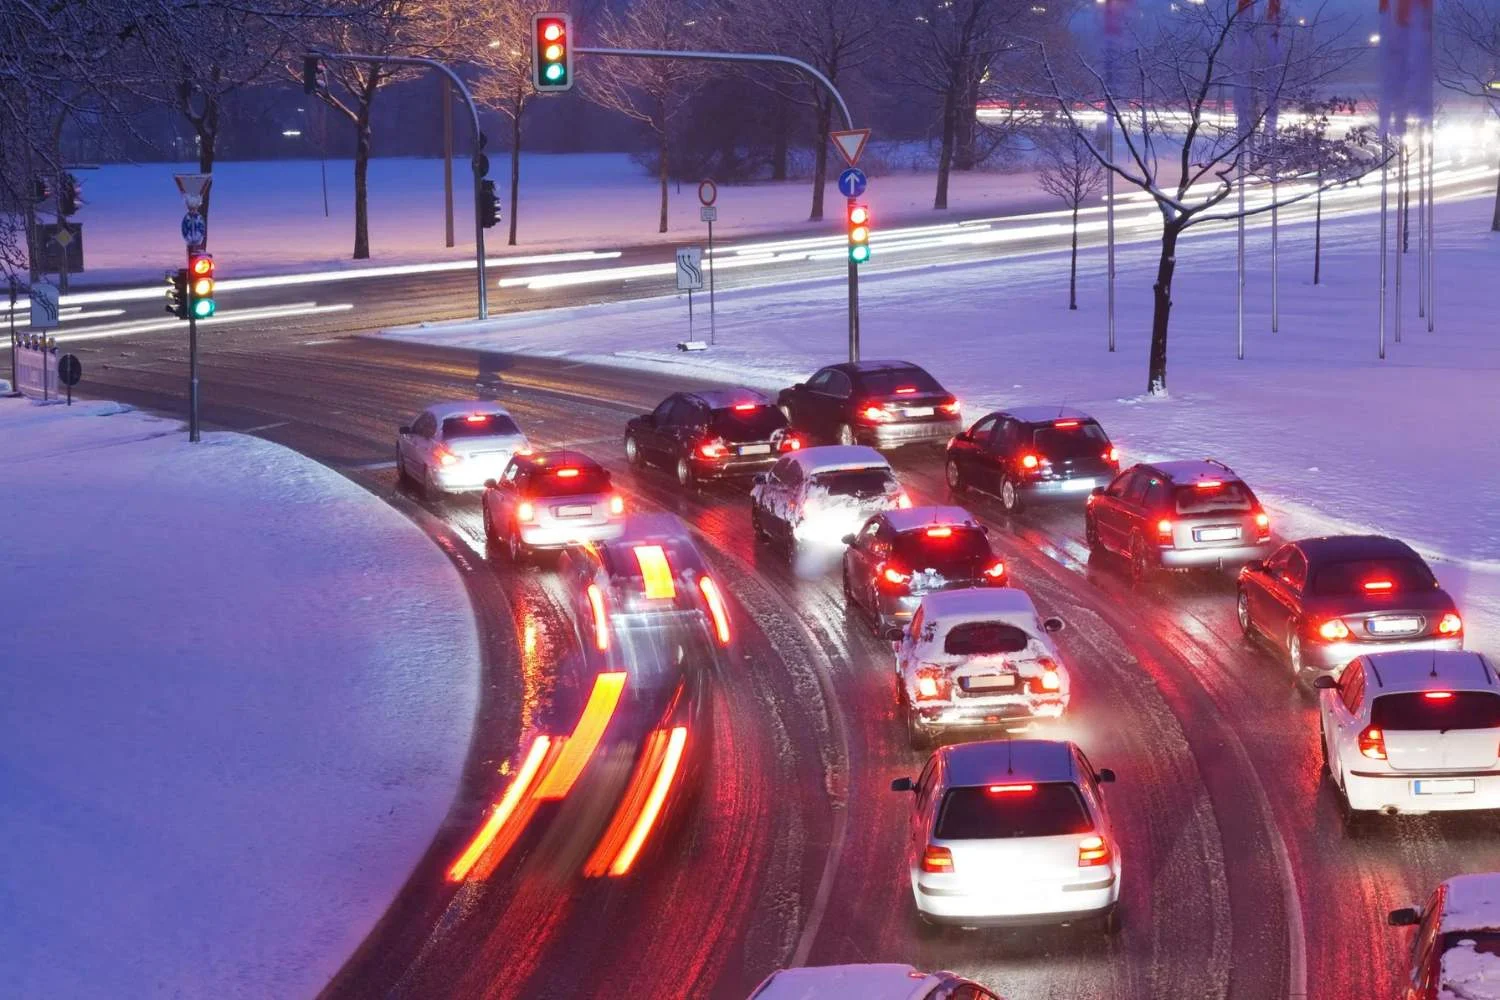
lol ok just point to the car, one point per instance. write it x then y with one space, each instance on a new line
899 555
1456 953
711 434
455 447
549 500
868 982
1031 453
819 495
1323 601
1412 732
1177 515
1012 833
879 403
978 658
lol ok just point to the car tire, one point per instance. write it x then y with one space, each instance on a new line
955 477
514 547
756 528
1356 822
633 453
1010 496
403 477
850 604
1242 614
1294 656
1323 747
489 525
685 477
1091 537
846 435
916 737
1140 562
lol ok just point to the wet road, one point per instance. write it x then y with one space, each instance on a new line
1238 881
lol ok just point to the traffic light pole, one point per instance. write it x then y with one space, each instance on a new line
477 161
192 376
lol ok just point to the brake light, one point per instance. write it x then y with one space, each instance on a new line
1065 423
477 418
1379 586
1437 695
1092 852
1372 743
1050 680
446 457
927 687
601 623
995 570
745 407
1334 629
951 407
1006 789
1450 624
894 576
617 505
713 449
790 442
567 473
906 390
871 411
1208 484
1164 531
932 682
937 860
942 532
903 502
525 511
1030 461
1113 455
1263 525
716 609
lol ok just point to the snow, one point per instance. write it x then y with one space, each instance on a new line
836 457
1330 438
1469 974
869 982
1473 903
227 730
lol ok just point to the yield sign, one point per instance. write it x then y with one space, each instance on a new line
850 143
193 188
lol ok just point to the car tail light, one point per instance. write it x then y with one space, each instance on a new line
937 860
1379 586
1263 525
745 407
790 442
1065 423
1208 484
617 505
1333 630
906 390
1010 789
995 570
940 532
1048 681
1437 695
601 623
477 418
893 577
1164 531
1372 743
952 406
1450 624
526 511
903 502
1113 455
1030 461
716 609
567 473
713 449
446 457
524 449
1093 851
932 682
873 411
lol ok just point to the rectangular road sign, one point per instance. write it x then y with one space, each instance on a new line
709 213
43 306
690 269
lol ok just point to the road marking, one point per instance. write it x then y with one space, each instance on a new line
268 427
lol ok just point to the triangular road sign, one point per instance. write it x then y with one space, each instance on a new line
850 144
193 188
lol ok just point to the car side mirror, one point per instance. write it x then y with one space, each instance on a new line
405 429
490 484
1104 776
799 387
903 785
1097 491
1407 916
1325 682
894 634
1054 624
984 529
847 539
648 418
761 479
1254 566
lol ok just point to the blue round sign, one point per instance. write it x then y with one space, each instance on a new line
852 182
194 229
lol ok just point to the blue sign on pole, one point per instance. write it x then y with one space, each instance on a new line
194 229
852 182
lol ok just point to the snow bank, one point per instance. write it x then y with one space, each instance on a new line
236 696
1332 438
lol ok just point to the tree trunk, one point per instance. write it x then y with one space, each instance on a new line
820 158
515 170
1495 220
1318 232
207 128
781 125
661 172
945 153
1073 265
1161 293
966 122
361 188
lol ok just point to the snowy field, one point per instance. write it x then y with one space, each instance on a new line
267 217
1332 438
227 730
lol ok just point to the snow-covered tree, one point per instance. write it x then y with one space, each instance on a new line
1468 57
1067 170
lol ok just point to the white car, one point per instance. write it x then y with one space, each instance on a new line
819 495
1456 953
1412 732
868 982
978 657
1012 832
451 447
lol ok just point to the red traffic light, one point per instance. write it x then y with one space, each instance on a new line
552 53
859 215
201 265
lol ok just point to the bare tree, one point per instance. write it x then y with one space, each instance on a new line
1468 57
1070 172
1304 148
1175 147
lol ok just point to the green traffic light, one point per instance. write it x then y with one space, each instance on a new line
203 308
554 72
859 254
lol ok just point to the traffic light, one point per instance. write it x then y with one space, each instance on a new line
177 293
489 204
69 195
859 232
201 285
552 52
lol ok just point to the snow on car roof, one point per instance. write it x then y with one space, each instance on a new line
723 399
1473 903
1191 470
987 761
978 604
463 408
1414 670
1469 974
1045 414
867 982
833 457
879 365
914 518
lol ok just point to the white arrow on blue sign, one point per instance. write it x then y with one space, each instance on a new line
852 182
194 229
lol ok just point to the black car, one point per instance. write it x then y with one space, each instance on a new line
1032 453
712 434
879 403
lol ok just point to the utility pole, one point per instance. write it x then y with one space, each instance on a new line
447 99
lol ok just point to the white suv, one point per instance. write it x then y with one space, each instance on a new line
1413 732
1012 832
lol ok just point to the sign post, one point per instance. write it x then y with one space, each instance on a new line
851 143
690 280
194 188
14 289
708 193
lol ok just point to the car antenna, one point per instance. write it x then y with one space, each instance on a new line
1008 769
1434 664
1062 407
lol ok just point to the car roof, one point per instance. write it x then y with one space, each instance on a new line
838 982
462 408
1044 414
831 457
989 761
978 604
1414 670
1332 548
876 365
559 457
723 399
651 527
915 518
1473 903
1192 470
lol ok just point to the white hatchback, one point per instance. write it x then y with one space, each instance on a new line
1012 832
1412 732
451 447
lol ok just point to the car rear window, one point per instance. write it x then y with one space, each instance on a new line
1047 809
885 381
858 483
962 553
1083 440
1350 577
747 425
479 425
985 639
1415 711
556 483
1227 496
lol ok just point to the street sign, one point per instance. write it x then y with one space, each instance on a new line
194 188
852 182
690 269
850 143
194 230
60 247
69 370
43 306
708 213
708 192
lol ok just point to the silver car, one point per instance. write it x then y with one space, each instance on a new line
819 495
550 500
453 447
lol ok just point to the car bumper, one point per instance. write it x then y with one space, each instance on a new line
469 475
1063 489
894 435
830 527
1209 557
1334 656
731 468
1397 791
980 712
897 609
557 536
946 900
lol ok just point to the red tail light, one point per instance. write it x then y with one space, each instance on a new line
1379 586
1048 681
1030 461
1208 484
873 412
716 609
1262 525
790 442
940 532
995 570
1093 851
937 860
1333 630
952 406
906 390
1113 455
617 505
713 449
477 418
745 407
1065 423
894 576
1450 624
446 457
525 511
567 473
932 682
1437 695
1164 531
601 621
1372 743
1007 789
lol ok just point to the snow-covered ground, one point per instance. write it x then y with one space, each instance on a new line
1332 438
227 730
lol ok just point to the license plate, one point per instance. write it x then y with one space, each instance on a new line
755 449
575 510
1443 786
1216 534
919 411
1077 485
1394 626
989 682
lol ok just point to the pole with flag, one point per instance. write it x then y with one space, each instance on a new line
1244 120
1273 62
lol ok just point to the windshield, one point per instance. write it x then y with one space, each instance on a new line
985 639
1414 710
885 381
1230 496
1050 809
962 553
856 482
1084 440
1346 578
555 483
758 424
478 425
